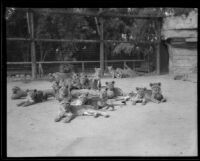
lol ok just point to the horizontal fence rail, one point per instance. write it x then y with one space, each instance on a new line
99 14
58 62
80 41
75 62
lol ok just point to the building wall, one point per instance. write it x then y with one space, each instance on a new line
181 22
182 60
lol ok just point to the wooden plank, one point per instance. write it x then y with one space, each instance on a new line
179 33
83 67
79 41
185 62
192 39
97 25
101 47
182 70
71 62
183 52
66 40
158 50
33 53
58 62
138 60
190 57
100 14
18 39
185 55
18 63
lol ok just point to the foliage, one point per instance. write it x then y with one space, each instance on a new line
136 30
59 26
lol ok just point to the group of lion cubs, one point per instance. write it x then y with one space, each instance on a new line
81 95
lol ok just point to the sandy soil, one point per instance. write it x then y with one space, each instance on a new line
167 129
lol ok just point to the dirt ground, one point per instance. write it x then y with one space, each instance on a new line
166 129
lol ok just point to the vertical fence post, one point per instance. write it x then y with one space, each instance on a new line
158 48
101 51
33 53
148 63
83 67
124 64
101 47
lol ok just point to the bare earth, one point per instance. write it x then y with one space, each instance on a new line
166 129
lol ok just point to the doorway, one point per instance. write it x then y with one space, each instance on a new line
164 58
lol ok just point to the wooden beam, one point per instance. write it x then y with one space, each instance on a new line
33 53
158 49
17 39
87 13
13 63
101 49
76 62
97 25
83 67
28 23
80 41
66 40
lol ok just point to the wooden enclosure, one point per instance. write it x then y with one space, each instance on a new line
180 34
32 39
182 59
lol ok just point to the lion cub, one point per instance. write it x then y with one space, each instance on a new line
144 95
69 111
18 93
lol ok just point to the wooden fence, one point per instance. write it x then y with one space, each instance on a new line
32 39
74 62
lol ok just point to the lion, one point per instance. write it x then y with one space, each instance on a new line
33 97
69 111
122 73
110 89
112 72
113 91
75 81
81 100
58 76
144 95
119 73
156 92
18 93
36 96
85 82
128 96
101 101
63 92
128 72
48 93
95 80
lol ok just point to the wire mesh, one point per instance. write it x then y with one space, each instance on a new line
83 28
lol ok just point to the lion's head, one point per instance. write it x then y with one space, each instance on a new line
63 92
15 89
110 85
97 72
155 87
66 104
83 78
140 92
34 95
103 94
75 76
